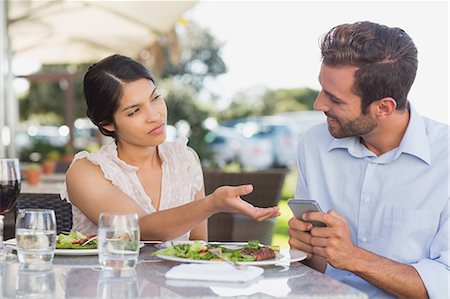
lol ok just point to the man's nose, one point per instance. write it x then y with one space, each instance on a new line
320 102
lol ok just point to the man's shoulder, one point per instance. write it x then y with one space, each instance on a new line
436 131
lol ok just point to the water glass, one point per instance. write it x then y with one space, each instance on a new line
117 284
35 236
35 283
118 241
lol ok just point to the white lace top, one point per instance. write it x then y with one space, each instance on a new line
182 178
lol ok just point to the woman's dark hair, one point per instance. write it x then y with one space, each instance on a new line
103 85
386 59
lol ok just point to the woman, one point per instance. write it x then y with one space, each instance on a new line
139 172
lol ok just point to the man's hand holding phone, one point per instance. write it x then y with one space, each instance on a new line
332 242
299 229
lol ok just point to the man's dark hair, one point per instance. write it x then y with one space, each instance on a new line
103 87
386 59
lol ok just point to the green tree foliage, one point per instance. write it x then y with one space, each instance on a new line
200 56
44 100
181 105
283 100
271 101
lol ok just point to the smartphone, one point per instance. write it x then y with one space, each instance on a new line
301 206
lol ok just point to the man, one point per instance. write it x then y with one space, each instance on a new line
378 168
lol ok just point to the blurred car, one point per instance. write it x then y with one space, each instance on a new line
256 153
225 144
282 130
283 137
279 132
229 145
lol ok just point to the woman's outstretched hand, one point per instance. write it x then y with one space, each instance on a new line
228 199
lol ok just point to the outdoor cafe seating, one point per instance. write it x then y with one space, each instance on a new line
82 276
267 187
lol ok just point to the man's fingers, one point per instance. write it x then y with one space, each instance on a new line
299 225
304 237
297 244
328 218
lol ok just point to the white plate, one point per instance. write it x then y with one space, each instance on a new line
77 252
285 256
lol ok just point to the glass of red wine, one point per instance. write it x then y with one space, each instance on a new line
9 183
9 188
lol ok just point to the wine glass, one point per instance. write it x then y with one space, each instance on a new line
9 188
9 183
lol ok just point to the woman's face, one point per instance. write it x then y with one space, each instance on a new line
141 116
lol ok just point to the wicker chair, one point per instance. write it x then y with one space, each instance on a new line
62 208
266 193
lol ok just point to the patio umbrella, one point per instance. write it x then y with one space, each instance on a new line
66 31
84 31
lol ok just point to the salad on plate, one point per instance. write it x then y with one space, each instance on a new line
198 250
76 240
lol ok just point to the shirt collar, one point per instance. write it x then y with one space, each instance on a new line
353 145
414 141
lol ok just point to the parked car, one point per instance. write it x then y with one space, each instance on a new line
225 144
279 132
282 131
229 145
283 138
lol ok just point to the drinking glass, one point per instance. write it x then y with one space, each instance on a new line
9 189
35 283
117 284
35 236
118 240
9 183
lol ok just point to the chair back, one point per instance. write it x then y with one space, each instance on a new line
267 185
62 208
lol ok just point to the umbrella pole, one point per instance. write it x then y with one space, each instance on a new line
12 102
3 69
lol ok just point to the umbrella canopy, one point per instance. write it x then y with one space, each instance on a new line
85 31
67 31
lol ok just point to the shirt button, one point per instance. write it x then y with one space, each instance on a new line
363 239
366 199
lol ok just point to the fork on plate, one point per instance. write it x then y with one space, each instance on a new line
218 252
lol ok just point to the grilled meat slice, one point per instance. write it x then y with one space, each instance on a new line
261 254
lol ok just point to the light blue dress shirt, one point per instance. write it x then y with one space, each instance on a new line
397 204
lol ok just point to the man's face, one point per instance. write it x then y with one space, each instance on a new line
341 105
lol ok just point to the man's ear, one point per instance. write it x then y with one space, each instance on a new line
385 107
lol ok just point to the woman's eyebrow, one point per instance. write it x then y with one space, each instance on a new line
137 105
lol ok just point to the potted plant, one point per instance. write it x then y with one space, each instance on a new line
48 165
33 173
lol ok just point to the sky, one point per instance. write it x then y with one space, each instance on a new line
276 44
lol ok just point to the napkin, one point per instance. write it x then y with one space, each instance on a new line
213 272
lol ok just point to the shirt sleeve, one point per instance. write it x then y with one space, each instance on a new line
435 271
301 190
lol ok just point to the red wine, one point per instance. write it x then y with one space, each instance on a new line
9 191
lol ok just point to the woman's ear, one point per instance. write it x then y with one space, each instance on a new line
109 127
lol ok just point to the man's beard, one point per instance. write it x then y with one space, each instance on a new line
360 126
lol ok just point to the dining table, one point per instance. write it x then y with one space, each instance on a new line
80 276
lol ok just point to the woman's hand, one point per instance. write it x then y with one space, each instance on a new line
227 199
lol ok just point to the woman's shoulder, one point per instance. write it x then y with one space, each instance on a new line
178 149
82 168
99 163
